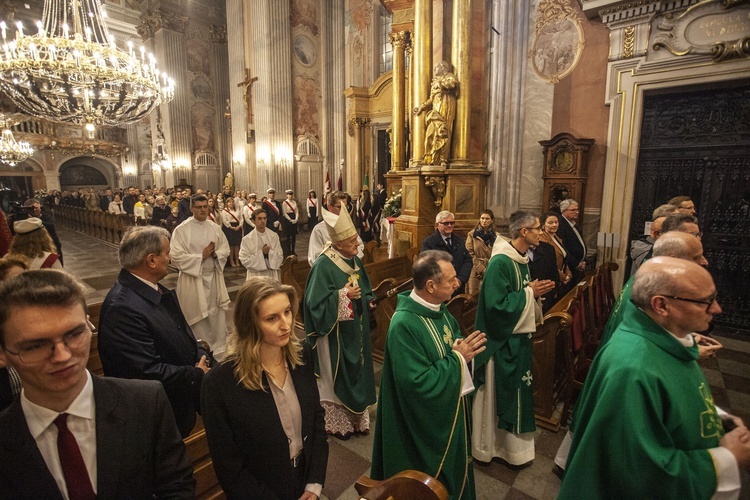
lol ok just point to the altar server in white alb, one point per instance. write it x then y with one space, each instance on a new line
200 251
260 251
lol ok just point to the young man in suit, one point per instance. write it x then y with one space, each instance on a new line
444 239
71 434
142 331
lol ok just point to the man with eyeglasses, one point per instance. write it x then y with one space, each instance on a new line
646 425
200 250
572 239
72 434
507 311
446 240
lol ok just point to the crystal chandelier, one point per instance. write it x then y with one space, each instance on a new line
11 151
72 71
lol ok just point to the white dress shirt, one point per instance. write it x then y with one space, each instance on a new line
82 424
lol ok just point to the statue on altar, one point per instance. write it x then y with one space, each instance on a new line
441 111
229 182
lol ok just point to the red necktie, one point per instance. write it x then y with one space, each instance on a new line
74 469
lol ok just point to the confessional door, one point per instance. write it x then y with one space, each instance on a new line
696 142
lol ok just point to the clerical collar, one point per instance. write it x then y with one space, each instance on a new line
419 300
522 254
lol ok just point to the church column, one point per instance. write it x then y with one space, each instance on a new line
163 32
215 175
422 62
332 82
272 55
237 97
460 57
399 40
508 79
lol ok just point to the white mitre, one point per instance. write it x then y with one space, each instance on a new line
340 227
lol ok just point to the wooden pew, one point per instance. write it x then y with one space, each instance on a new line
406 485
552 369
207 485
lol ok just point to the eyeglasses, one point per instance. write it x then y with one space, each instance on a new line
448 223
708 302
536 228
44 349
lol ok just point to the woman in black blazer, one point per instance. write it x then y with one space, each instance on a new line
261 408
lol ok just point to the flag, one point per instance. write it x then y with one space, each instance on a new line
327 185
340 182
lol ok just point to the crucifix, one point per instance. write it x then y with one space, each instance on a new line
247 94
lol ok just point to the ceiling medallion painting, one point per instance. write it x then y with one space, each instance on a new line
708 28
558 40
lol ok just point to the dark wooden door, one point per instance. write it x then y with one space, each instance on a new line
696 142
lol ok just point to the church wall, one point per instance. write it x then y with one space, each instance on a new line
579 109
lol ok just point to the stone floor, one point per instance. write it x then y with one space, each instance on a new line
96 264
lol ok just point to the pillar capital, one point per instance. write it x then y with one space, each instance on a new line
158 19
400 38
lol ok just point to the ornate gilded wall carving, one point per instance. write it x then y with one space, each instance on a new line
558 40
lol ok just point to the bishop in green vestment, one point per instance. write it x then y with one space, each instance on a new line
646 426
337 306
507 312
423 410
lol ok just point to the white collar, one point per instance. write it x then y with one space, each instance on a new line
149 283
40 418
419 300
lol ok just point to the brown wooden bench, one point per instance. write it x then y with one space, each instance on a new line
406 485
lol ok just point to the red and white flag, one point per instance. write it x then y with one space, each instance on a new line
340 182
327 185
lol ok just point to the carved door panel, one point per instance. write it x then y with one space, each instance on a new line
696 142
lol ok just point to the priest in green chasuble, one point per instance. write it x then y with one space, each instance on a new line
337 306
508 310
646 425
423 411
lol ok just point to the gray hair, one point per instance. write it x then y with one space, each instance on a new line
671 245
427 267
663 211
31 202
565 204
138 242
445 214
519 220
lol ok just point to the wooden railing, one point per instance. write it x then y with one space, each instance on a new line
103 225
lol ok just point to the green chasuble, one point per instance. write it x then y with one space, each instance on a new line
348 341
615 317
646 420
422 419
504 302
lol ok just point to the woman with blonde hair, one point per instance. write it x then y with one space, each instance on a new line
34 242
261 407
479 245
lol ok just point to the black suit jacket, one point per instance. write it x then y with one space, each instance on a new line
462 262
248 445
576 251
544 267
143 335
139 453
272 215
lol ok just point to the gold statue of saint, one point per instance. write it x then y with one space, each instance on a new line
441 111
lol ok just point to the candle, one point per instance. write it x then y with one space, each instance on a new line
19 25
3 27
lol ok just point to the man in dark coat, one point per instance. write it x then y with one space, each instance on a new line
444 239
142 331
572 239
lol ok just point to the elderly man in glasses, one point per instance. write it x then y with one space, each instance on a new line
71 434
646 425
444 239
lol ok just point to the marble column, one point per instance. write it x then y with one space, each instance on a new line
164 35
238 108
399 40
508 71
271 36
460 57
332 81
221 84
422 63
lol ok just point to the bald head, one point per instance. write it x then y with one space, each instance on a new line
679 245
677 294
